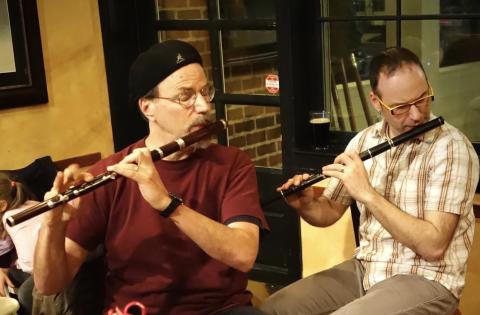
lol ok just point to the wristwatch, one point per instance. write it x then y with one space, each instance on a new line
176 201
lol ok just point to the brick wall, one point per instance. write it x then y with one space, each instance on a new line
254 129
182 9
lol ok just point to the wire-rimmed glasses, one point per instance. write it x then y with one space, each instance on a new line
187 97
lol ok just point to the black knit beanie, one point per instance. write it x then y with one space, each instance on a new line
158 62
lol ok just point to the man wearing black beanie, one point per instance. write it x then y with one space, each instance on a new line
180 233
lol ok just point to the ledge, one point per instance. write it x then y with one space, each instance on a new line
82 161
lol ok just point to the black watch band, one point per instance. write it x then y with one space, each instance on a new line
176 201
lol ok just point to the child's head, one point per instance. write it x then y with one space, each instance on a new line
12 193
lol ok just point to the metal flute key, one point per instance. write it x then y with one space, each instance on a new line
107 177
365 155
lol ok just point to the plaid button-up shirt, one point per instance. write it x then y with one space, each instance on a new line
438 171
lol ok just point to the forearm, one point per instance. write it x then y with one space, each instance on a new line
50 269
421 236
321 212
235 247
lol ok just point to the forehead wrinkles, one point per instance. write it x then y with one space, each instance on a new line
188 77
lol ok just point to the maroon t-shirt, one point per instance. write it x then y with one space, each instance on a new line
149 259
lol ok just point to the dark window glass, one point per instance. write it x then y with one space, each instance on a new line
248 58
247 9
352 46
459 41
443 6
358 7
455 87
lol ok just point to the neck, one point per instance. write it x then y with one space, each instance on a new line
389 133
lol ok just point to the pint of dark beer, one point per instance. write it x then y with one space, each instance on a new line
320 122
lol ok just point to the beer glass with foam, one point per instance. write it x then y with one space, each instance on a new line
320 122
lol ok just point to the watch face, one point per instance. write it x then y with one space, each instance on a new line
175 197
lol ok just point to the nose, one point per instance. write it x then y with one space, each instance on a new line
415 114
202 104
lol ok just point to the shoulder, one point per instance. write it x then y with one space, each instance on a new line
451 136
364 136
451 133
451 144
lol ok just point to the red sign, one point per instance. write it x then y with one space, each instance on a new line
272 84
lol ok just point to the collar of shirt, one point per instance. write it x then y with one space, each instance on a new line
380 131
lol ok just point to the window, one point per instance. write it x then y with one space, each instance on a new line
237 41
445 35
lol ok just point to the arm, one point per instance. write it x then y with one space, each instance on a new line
4 281
56 261
236 245
56 258
320 211
429 237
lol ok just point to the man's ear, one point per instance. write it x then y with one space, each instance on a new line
374 100
3 205
146 107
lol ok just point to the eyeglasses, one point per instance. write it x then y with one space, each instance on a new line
420 103
187 97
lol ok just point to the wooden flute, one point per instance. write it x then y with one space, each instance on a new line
107 177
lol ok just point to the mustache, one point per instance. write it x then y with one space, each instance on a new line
202 120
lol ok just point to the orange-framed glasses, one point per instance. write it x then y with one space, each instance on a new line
420 103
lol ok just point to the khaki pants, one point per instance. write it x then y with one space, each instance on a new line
83 296
56 304
339 291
